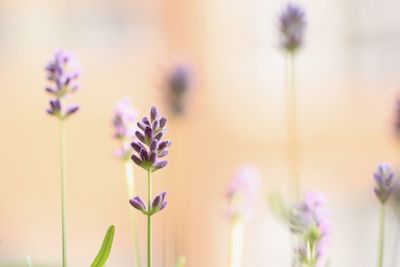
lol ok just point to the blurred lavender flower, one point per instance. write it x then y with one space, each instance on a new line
397 118
292 26
178 85
63 73
309 222
150 147
124 122
242 192
384 178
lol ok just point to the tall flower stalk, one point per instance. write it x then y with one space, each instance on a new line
62 73
292 27
310 225
124 123
148 151
241 194
384 186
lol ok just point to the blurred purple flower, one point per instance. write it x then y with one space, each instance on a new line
124 122
292 26
179 81
63 73
397 118
309 222
384 179
150 147
242 192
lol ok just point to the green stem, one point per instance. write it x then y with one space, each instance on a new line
130 179
63 197
381 242
292 128
149 230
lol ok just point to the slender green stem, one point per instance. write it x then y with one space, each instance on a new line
292 127
149 226
381 242
63 197
236 244
130 179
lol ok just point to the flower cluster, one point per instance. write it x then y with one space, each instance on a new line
178 84
62 73
150 147
158 204
292 26
124 122
241 193
384 179
309 222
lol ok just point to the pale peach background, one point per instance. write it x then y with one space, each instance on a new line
347 83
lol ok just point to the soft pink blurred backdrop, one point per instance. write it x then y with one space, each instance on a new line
347 83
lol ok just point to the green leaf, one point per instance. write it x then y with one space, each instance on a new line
181 261
105 249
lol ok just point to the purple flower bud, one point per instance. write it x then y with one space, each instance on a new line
164 144
146 121
163 122
159 203
138 204
141 126
292 26
154 127
148 132
71 110
384 179
140 136
137 160
153 157
163 153
137 146
153 113
144 155
159 135
159 165
164 204
153 145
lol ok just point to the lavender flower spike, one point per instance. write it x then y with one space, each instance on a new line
309 222
62 73
384 178
151 147
242 192
124 123
179 81
292 26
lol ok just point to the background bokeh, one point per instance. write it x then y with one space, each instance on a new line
347 77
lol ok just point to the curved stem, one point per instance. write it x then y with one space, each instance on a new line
381 242
130 179
63 197
292 128
236 244
149 225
